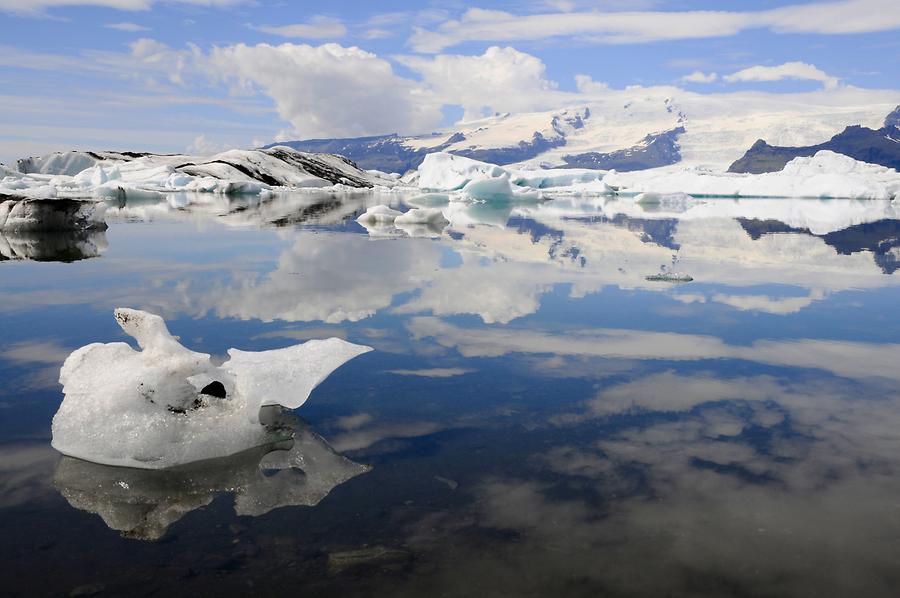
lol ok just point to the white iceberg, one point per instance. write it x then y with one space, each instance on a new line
441 171
167 405
380 214
117 175
469 179
824 175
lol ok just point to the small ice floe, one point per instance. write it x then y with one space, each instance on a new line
166 405
380 214
382 221
142 504
22 215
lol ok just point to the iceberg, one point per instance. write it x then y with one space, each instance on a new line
380 214
383 222
824 175
468 179
166 405
116 175
142 503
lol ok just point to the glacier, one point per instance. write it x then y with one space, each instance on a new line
166 405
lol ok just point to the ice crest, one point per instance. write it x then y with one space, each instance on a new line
152 409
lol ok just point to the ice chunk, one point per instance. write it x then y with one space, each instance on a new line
380 214
428 216
441 171
142 504
146 409
497 189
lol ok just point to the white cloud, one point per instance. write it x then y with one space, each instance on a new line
700 77
500 80
317 28
848 16
376 34
789 70
39 7
204 146
330 89
127 26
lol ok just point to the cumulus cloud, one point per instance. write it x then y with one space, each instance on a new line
700 77
848 16
329 89
318 27
789 70
499 80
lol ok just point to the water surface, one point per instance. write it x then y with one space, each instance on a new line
537 417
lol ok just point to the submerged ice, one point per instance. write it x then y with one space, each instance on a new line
166 405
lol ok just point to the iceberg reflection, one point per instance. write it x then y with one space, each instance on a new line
60 246
143 503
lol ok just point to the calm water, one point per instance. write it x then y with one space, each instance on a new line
537 419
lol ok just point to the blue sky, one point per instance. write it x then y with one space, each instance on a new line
206 74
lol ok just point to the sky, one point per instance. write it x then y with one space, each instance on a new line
206 75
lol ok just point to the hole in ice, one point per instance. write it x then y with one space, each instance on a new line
214 389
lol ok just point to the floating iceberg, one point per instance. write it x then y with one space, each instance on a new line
167 405
380 214
382 221
142 504
824 175
434 217
469 179
20 215
129 174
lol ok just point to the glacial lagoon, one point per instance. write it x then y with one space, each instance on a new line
537 417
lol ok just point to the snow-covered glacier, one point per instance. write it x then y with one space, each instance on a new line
128 174
167 405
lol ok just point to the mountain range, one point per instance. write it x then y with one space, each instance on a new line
642 129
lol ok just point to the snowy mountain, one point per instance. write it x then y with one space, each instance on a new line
880 146
530 136
629 129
